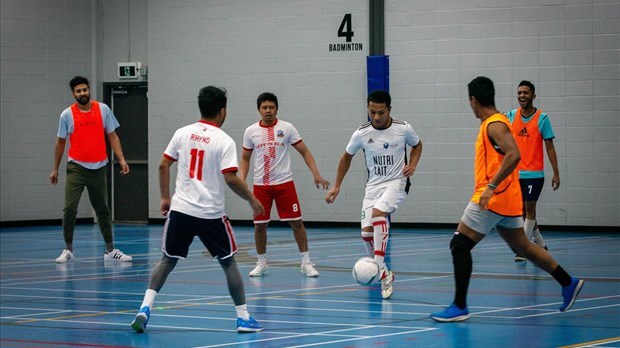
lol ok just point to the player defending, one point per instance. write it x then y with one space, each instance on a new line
384 141
271 139
530 128
496 203
207 162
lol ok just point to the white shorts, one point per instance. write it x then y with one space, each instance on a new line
385 197
484 221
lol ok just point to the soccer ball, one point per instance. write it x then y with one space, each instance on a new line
365 271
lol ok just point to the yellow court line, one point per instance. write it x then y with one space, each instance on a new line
171 307
96 314
586 344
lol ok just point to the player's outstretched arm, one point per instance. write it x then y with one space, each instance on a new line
343 167
305 153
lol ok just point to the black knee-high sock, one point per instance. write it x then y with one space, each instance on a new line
561 276
461 259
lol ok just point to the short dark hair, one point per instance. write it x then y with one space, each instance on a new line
266 96
483 90
78 80
379 96
527 83
211 100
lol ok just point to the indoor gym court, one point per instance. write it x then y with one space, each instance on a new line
89 303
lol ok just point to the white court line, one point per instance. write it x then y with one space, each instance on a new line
322 334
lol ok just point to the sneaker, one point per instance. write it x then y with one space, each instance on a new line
65 256
387 285
452 313
139 323
260 270
309 270
249 325
519 258
569 293
116 255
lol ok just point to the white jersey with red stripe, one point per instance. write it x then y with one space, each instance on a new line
385 149
203 152
272 160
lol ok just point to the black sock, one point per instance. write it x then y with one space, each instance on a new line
461 259
561 276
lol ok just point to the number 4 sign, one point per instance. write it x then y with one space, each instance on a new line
346 30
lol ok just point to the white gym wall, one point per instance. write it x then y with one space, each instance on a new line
569 49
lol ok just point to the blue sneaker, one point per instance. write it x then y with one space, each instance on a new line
452 313
249 325
139 323
569 293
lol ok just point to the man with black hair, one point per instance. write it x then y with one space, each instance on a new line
384 141
86 123
496 203
531 128
207 163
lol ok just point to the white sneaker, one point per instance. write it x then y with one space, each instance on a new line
65 256
259 270
116 255
309 270
387 285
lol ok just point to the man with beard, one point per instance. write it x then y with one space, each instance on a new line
531 128
85 123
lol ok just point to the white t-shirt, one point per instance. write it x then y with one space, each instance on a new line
272 159
204 152
385 149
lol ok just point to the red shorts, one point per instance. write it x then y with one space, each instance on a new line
286 199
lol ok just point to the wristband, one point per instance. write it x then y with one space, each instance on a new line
491 186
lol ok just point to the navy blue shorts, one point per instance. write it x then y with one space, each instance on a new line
531 188
180 230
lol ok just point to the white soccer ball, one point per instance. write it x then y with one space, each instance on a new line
365 271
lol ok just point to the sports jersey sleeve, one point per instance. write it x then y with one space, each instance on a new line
228 162
354 143
511 115
295 137
247 139
65 123
544 124
411 137
172 150
109 120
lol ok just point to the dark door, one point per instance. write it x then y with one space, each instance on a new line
129 193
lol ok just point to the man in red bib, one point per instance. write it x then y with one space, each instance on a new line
85 124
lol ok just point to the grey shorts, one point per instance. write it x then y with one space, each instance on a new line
484 221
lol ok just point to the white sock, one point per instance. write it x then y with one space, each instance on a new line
242 312
367 237
538 239
528 226
149 298
305 257
262 259
381 234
